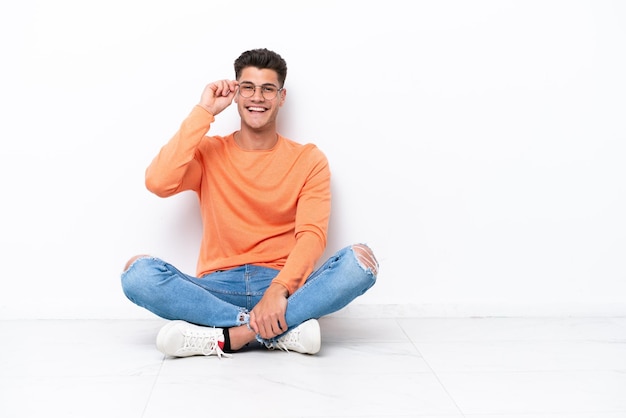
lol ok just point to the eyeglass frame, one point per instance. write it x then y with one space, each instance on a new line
250 84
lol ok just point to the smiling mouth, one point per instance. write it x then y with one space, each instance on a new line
256 109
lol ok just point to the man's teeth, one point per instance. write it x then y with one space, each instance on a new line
256 109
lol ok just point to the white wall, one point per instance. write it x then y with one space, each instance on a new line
478 146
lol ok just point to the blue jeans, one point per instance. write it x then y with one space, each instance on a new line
224 299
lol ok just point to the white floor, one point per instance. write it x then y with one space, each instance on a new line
479 368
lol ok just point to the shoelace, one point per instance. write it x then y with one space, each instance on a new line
290 339
200 342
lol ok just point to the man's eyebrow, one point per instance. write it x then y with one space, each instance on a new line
262 85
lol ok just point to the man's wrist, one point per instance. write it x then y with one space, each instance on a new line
279 288
205 107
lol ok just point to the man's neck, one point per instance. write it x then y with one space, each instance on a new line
256 140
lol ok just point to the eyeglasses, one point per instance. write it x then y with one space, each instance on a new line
269 91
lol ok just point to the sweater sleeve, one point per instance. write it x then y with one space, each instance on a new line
176 168
312 216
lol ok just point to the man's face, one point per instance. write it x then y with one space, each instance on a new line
257 111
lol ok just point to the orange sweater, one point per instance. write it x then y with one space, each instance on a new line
268 208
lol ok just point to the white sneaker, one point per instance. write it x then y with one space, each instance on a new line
182 339
305 338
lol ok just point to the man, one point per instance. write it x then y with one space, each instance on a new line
265 205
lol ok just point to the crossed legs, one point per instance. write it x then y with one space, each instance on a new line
170 294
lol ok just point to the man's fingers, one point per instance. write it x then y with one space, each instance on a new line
253 323
269 329
218 95
224 87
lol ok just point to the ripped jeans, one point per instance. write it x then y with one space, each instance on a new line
224 299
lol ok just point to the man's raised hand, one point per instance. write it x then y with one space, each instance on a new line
218 95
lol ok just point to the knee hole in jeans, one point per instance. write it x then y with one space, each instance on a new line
133 259
365 257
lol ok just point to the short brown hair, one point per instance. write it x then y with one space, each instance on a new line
262 58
